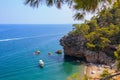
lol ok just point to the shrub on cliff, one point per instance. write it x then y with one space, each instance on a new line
117 56
102 31
85 77
105 73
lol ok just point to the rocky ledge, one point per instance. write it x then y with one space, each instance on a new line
74 46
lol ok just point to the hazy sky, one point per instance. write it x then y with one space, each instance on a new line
15 12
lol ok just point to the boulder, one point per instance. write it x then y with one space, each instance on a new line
59 51
49 53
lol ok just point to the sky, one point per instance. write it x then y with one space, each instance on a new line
15 12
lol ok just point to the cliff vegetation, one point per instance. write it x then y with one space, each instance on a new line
97 40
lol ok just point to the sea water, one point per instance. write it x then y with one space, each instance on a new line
18 44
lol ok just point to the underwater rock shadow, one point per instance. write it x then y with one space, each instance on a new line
74 60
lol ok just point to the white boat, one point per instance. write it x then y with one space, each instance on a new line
37 52
41 63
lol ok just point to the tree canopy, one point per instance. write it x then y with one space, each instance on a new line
101 31
82 7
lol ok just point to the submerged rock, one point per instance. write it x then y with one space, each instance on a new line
49 53
59 52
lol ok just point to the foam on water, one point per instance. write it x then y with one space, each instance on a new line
21 38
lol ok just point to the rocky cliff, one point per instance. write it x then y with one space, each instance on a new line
96 40
74 47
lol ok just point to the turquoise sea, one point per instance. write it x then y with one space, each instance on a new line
18 44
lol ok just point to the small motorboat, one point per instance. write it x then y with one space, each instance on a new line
37 52
41 63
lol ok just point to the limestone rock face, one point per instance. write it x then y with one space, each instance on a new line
74 46
73 52
99 57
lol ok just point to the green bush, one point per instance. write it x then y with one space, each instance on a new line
85 77
105 73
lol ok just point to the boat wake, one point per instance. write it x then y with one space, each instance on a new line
5 40
21 38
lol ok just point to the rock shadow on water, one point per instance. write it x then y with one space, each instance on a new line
59 58
71 65
74 60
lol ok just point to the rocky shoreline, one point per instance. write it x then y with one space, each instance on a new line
93 71
74 47
95 62
96 41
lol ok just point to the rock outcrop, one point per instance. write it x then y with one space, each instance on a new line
74 47
59 51
99 57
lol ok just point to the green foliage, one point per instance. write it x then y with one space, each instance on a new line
117 56
102 31
105 73
85 77
89 45
104 42
74 76
117 53
117 4
82 7
118 64
80 29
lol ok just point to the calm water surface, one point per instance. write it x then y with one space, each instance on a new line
19 42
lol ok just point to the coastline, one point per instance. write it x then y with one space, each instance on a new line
93 71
